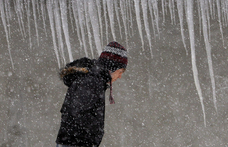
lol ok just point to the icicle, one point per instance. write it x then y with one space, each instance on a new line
225 9
35 20
208 50
106 22
225 12
38 8
171 12
163 10
199 14
122 8
128 6
59 29
95 26
189 15
156 15
63 9
6 31
172 9
111 17
208 18
146 24
21 9
220 23
7 14
9 10
70 14
81 24
100 19
43 16
74 7
138 19
88 27
118 17
180 14
152 17
19 17
210 2
213 7
28 20
50 14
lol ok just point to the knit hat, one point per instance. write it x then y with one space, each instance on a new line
113 57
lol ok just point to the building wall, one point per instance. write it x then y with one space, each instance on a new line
157 104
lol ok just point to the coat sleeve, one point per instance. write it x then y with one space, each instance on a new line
84 94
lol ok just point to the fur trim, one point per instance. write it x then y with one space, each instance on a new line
72 70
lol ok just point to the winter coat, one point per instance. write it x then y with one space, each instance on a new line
83 110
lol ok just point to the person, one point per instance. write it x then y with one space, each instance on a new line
83 110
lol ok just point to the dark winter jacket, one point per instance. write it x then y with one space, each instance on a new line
82 120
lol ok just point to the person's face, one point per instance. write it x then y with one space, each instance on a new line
117 74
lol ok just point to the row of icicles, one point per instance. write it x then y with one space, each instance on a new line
88 17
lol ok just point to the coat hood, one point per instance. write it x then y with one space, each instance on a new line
80 68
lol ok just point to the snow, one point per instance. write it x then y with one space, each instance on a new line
181 89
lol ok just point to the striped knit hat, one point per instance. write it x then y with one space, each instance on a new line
114 57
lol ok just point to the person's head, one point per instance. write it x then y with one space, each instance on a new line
114 58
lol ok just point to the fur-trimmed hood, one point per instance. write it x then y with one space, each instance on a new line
80 68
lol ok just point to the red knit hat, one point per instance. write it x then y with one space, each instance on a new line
113 57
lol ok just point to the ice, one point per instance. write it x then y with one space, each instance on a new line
6 31
95 26
42 7
105 19
128 7
123 15
146 24
210 2
163 10
199 12
118 17
152 18
208 50
58 26
189 16
69 7
74 8
35 20
138 19
28 22
208 17
51 20
180 14
80 8
219 19
88 28
98 4
171 10
19 17
7 14
156 15
63 9
111 17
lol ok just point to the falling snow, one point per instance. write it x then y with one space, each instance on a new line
173 92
